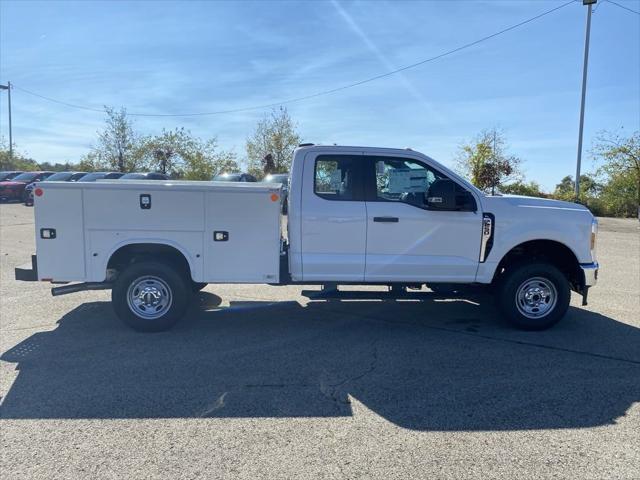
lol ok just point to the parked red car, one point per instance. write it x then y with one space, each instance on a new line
56 177
14 188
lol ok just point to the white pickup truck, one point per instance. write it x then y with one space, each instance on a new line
356 215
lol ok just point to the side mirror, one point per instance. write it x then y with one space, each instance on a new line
441 195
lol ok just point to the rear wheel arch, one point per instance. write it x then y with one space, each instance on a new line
133 252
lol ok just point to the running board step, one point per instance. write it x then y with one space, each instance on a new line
364 295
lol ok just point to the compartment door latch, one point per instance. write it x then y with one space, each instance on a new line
145 201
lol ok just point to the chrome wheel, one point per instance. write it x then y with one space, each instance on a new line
149 297
536 297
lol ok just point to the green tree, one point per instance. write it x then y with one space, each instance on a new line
590 190
205 166
181 155
58 167
486 162
118 144
167 152
618 195
530 189
270 148
91 163
19 160
620 169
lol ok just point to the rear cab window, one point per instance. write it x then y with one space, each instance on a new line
339 177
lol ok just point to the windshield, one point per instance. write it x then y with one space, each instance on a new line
60 177
26 177
282 178
227 177
113 175
8 175
131 176
92 177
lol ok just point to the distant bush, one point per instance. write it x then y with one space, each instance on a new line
530 189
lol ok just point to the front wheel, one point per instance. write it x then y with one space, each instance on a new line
534 296
150 296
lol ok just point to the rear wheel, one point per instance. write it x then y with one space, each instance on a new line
151 296
534 296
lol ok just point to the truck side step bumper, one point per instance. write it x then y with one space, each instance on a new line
27 273
397 293
80 287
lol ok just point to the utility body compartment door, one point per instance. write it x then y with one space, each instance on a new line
242 236
60 245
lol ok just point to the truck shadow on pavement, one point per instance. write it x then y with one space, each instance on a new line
425 363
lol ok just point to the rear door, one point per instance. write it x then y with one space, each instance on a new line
407 242
334 217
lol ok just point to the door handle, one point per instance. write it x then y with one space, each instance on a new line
386 219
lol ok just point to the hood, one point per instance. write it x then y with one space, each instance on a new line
536 202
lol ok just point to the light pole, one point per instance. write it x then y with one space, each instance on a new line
589 4
7 87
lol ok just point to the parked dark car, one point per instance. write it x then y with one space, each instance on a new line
14 188
8 175
144 176
93 176
56 177
235 177
282 178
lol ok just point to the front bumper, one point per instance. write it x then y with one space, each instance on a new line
590 273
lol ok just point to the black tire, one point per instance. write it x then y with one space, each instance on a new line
163 281
197 286
539 282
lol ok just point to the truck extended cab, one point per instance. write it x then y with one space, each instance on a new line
356 215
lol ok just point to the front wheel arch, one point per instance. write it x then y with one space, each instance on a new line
544 251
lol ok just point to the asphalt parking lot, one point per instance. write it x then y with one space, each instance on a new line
260 382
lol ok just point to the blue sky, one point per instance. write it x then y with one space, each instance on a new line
176 57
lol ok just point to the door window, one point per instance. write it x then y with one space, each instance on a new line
408 181
403 180
337 177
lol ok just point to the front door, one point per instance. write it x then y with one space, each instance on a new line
334 218
406 242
